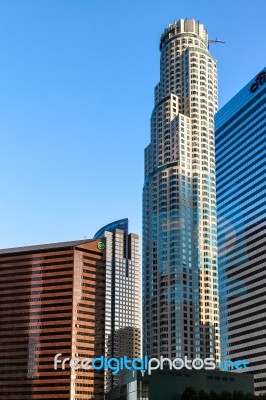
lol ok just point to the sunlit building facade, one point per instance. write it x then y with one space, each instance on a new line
122 301
80 299
241 205
180 281
52 300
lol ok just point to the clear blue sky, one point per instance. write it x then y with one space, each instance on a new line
76 94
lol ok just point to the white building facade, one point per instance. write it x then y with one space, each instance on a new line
180 278
122 295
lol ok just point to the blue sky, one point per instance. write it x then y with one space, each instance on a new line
76 94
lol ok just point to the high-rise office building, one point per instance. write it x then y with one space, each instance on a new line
52 300
241 205
80 299
180 304
122 301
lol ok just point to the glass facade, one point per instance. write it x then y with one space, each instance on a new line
122 303
180 277
241 205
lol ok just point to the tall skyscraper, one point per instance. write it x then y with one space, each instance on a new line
180 282
241 206
122 301
80 299
52 300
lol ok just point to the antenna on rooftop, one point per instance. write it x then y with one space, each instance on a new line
215 41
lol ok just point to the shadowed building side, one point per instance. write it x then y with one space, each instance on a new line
241 205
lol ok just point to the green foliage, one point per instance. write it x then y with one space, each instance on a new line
192 394
214 396
226 396
238 395
203 395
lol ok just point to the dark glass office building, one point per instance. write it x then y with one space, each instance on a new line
241 206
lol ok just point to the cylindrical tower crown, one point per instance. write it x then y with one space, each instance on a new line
190 26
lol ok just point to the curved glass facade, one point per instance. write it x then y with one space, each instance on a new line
121 224
241 205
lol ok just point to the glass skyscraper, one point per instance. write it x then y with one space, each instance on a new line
122 295
241 205
180 278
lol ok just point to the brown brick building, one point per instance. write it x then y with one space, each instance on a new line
52 300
